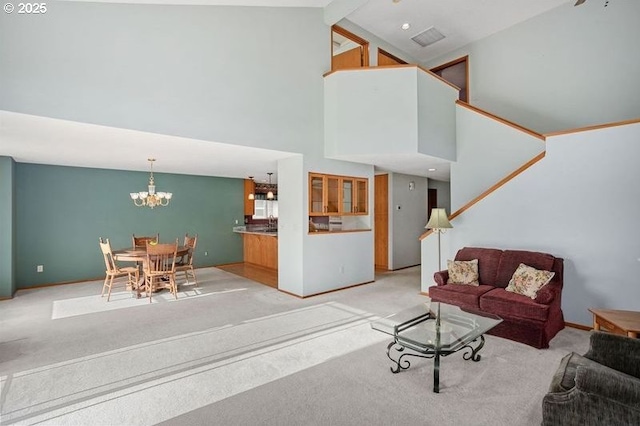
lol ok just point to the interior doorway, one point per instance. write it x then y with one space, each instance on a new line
456 72
381 221
386 58
432 200
348 50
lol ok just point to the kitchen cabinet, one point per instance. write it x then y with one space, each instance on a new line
361 197
261 250
331 195
249 188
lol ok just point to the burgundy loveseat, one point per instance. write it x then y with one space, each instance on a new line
533 322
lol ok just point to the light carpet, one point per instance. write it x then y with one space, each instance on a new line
248 354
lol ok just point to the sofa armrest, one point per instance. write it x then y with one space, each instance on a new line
618 352
548 293
619 388
441 277
609 397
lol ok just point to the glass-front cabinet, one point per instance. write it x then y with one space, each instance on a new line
331 195
316 194
347 194
361 197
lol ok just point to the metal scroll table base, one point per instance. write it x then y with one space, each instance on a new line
401 363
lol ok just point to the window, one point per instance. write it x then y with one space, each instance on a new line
265 208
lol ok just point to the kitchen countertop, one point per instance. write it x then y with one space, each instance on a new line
257 230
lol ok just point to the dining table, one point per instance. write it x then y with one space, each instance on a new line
139 255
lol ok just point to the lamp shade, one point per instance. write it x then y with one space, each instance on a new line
438 220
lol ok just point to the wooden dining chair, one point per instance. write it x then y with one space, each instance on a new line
186 262
114 272
141 242
159 266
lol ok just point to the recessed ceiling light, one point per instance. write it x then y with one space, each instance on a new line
432 170
396 1
406 26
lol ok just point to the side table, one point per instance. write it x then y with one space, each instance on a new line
616 321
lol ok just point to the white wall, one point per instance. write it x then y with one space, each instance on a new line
582 203
567 68
364 110
227 74
487 152
436 117
333 261
291 224
407 218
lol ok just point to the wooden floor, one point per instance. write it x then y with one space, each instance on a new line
259 274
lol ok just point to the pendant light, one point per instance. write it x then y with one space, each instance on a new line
270 193
251 195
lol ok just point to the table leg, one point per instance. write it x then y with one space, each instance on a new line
596 326
436 372
632 334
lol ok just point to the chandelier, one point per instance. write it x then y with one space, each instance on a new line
151 198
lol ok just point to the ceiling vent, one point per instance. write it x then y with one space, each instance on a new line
427 37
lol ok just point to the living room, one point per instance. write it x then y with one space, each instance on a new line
565 69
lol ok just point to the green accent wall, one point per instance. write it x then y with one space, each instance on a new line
62 211
7 229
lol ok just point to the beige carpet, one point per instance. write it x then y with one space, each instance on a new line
237 352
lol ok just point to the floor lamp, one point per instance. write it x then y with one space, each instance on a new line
438 222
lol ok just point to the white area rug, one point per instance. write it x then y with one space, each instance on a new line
65 308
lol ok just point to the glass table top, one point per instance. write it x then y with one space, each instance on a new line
435 325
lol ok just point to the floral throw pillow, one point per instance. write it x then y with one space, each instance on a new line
463 272
527 280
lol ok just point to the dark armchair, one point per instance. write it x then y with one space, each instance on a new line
600 388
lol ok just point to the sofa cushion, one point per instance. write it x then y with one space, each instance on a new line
527 281
488 260
460 295
512 258
463 272
511 305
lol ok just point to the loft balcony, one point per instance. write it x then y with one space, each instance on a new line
400 118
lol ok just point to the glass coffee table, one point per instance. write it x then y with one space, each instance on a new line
434 330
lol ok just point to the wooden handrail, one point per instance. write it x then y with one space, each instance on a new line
594 127
438 77
501 120
394 66
492 189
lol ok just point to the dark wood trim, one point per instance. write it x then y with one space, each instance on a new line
464 59
348 34
405 267
439 78
395 66
493 188
504 180
346 231
501 120
351 36
391 56
88 280
369 69
578 326
324 292
595 127
60 283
